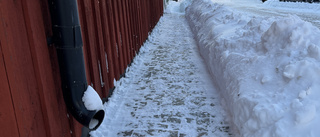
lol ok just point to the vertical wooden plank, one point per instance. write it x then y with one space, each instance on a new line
151 16
107 39
55 123
130 30
140 23
134 24
146 18
85 38
114 36
143 17
151 20
143 20
101 16
90 29
122 35
18 60
8 126
153 9
150 13
118 35
137 24
126 31
156 15
125 5
101 49
143 14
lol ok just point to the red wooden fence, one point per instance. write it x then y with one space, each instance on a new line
31 98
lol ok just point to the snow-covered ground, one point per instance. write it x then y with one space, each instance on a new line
167 91
264 60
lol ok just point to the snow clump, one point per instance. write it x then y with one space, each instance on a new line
92 100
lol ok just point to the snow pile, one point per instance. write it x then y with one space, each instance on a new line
239 2
173 7
92 100
178 7
184 4
302 6
267 69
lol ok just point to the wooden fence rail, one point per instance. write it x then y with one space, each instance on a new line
31 97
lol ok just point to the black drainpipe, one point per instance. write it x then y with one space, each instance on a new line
68 42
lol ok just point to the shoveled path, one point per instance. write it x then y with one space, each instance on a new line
167 91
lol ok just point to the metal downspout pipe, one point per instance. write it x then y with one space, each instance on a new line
68 42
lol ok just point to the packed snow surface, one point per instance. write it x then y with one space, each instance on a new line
92 100
167 91
266 68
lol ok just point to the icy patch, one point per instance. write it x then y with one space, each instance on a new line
92 100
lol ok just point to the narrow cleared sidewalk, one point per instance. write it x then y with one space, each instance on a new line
167 91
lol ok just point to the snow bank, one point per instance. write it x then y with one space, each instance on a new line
92 100
173 7
184 4
302 6
178 7
267 69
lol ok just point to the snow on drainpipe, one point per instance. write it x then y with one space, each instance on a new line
68 43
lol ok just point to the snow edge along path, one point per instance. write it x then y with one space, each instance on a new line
167 90
267 69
